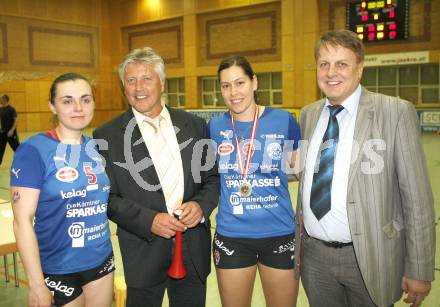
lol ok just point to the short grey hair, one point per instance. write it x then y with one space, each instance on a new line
146 56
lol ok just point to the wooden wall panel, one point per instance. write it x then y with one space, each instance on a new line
83 12
3 43
36 8
166 41
43 94
259 30
32 96
166 37
252 31
33 121
49 46
44 38
17 100
53 47
209 5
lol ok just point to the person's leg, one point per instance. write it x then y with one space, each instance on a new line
275 265
3 141
151 297
319 263
236 286
78 302
350 276
99 292
235 260
13 141
280 286
189 291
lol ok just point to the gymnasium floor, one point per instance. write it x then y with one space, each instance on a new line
11 296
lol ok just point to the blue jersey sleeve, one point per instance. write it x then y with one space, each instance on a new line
294 132
27 169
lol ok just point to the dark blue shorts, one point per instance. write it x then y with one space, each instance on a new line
234 253
67 287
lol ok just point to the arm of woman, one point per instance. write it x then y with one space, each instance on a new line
294 164
24 205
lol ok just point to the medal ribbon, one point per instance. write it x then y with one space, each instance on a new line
244 171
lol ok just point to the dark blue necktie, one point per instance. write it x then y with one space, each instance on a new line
320 196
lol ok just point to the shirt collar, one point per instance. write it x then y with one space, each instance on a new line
164 114
350 104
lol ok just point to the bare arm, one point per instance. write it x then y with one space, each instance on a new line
293 165
24 205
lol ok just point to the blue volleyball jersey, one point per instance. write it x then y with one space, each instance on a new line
71 218
267 212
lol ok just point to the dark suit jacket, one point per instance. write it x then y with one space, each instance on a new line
391 210
133 206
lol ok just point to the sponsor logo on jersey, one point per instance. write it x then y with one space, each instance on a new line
62 159
108 266
272 136
92 179
260 183
15 172
67 174
274 151
234 198
58 286
225 149
268 167
289 246
221 246
227 134
73 193
76 232
106 188
246 147
92 187
228 166
216 257
88 211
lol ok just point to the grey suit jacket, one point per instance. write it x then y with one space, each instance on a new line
390 203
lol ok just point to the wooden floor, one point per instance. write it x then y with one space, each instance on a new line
11 296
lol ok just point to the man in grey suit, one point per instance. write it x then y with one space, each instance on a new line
365 207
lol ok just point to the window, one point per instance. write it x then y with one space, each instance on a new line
174 94
211 94
416 83
270 90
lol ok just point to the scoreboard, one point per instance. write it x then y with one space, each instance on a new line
379 20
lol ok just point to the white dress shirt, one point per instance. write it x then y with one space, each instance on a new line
148 127
334 225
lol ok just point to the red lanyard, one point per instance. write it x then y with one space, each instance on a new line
249 154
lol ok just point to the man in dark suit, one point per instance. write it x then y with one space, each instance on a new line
159 160
365 206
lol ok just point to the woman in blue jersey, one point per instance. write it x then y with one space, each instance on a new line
59 193
255 219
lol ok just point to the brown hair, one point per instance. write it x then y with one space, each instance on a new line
343 38
70 76
239 61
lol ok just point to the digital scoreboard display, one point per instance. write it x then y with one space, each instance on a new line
379 20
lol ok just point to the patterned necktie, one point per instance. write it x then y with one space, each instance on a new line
167 169
320 196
